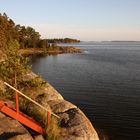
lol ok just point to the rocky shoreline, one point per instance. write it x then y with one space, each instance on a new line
74 125
58 50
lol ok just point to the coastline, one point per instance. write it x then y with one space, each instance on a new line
58 50
73 124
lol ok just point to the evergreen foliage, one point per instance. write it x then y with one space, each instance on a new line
14 37
14 65
26 36
63 40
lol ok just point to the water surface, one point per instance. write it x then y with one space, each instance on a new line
104 82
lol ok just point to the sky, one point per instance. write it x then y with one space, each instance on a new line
87 20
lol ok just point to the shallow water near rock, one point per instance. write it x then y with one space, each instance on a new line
103 81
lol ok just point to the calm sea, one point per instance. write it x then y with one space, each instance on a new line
103 81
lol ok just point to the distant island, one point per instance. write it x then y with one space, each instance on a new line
63 40
124 41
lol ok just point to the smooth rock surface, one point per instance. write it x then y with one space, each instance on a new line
39 137
12 130
21 137
74 125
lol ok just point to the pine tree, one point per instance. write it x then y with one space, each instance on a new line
14 64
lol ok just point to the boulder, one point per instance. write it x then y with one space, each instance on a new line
75 126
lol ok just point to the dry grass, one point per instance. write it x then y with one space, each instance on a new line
54 130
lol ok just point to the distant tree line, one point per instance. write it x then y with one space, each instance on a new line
27 37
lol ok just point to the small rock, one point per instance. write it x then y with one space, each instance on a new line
21 137
2 86
39 137
1 115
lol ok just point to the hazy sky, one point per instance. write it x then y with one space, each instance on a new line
81 19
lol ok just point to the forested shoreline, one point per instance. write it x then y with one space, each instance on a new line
28 37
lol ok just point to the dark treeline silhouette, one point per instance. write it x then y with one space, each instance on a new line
63 40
